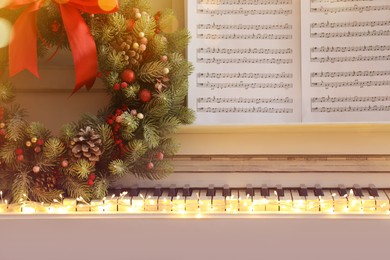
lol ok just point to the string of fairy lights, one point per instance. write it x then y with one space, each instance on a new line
197 204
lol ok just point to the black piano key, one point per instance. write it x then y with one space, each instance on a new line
318 190
342 190
264 191
187 192
357 190
172 191
279 191
249 190
372 190
210 191
157 191
134 191
302 191
226 191
115 192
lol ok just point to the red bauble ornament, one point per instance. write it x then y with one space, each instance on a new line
160 156
19 151
145 95
20 157
90 182
124 85
128 76
150 166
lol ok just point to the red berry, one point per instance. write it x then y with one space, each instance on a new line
40 142
2 132
145 95
130 24
20 157
128 76
124 85
90 182
37 149
92 176
160 156
150 166
117 86
110 121
64 163
19 151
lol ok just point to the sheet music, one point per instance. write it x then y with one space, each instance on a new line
247 61
345 60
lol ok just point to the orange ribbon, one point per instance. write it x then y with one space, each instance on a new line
23 46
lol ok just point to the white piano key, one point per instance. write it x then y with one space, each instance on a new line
178 202
272 201
285 202
354 202
232 201
218 201
382 202
138 202
111 205
298 202
205 201
259 202
165 202
69 204
312 202
151 201
244 201
368 202
340 203
124 204
192 202
326 202
97 206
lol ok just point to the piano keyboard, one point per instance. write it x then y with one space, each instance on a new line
224 199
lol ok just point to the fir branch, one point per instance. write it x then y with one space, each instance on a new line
145 24
7 153
6 92
118 168
105 133
82 168
151 133
68 131
21 185
150 71
76 188
100 187
37 130
136 149
52 149
178 41
39 195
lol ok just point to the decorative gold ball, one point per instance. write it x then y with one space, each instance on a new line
141 34
28 143
135 45
34 140
2 125
166 71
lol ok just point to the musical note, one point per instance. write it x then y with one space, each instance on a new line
360 9
350 58
256 27
355 83
245 2
351 34
349 24
329 99
350 48
366 73
340 109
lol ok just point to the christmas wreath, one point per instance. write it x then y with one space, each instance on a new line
144 71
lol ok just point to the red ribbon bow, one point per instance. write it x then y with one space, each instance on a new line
23 46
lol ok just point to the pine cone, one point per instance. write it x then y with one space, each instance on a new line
125 44
87 144
45 181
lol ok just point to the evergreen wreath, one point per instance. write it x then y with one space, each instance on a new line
145 73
